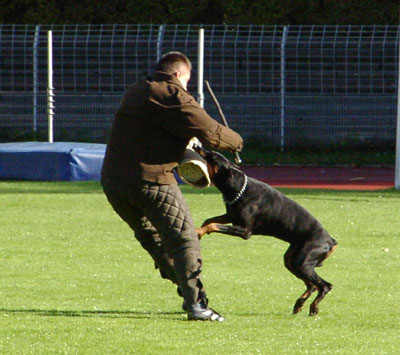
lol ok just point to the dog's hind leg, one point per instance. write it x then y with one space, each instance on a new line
302 262
323 286
304 297
322 291
310 288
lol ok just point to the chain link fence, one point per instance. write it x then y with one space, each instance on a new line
284 86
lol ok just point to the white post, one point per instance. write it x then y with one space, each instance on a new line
200 68
50 93
397 164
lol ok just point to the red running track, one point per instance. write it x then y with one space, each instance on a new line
338 178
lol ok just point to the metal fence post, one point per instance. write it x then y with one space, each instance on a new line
397 164
159 41
283 87
35 78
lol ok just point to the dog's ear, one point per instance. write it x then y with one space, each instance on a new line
223 167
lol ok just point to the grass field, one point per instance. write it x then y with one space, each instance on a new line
75 281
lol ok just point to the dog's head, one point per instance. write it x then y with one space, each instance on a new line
219 167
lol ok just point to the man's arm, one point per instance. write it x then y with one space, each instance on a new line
188 119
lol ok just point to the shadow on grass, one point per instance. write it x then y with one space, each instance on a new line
180 316
95 313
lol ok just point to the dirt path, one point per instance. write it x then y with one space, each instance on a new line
338 178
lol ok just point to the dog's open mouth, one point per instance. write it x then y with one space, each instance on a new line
193 169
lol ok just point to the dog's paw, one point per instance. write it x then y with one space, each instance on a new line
200 232
207 229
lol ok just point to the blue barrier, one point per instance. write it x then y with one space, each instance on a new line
60 161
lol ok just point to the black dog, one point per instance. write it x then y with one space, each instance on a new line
253 207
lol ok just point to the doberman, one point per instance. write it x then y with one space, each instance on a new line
253 207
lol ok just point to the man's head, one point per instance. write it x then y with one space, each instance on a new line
176 63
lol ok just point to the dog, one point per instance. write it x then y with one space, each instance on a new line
253 207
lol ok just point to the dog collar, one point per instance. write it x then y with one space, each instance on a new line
240 193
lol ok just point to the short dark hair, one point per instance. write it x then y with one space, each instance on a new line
171 62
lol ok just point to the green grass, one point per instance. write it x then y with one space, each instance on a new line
75 281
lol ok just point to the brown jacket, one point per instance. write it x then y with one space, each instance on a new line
152 127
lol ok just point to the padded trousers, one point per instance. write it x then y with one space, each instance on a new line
163 225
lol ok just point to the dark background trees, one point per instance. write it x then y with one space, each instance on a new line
269 12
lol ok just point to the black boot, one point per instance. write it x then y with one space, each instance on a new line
203 301
197 312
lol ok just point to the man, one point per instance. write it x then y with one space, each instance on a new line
155 121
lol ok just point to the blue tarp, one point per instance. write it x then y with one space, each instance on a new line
61 161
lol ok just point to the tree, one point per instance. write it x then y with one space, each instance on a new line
269 12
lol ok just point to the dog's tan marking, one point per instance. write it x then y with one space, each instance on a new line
209 228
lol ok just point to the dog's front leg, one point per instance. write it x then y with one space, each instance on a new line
207 229
210 225
235 230
222 219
